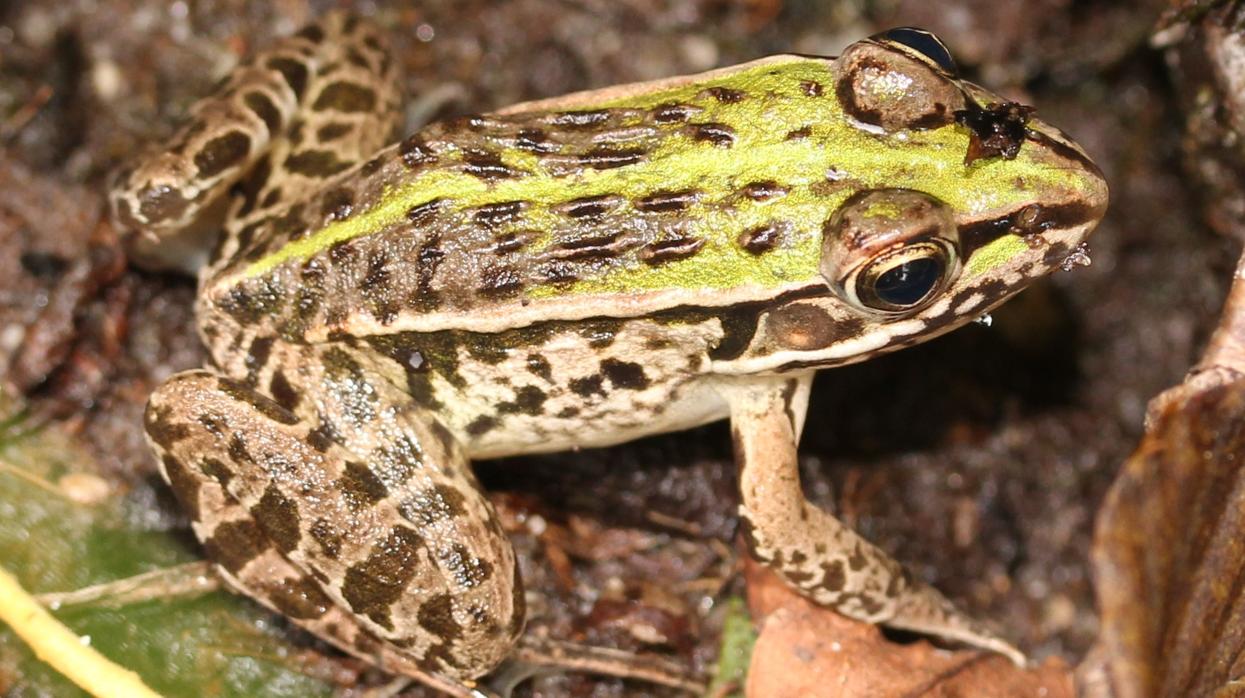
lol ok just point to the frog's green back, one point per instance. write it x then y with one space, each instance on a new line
704 192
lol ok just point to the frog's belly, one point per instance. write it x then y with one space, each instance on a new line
608 421
578 389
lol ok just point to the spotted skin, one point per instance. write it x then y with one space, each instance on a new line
571 273
282 122
385 514
826 561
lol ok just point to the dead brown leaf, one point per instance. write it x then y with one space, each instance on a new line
807 650
1169 554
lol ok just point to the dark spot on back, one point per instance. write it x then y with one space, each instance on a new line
426 263
590 246
433 505
261 403
833 577
588 207
588 385
323 437
528 399
360 487
294 134
294 73
673 113
331 132
185 484
315 163
235 543
222 152
539 366
237 449
533 140
216 470
512 242
580 119
500 282
725 95
346 97
764 190
487 166
278 516
604 158
624 374
163 428
415 152
665 201
337 204
800 133
436 615
312 33
499 213
281 390
761 239
341 251
377 274
716 134
665 251
425 213
372 166
353 56
161 203
557 273
446 440
373 585
481 425
467 570
263 107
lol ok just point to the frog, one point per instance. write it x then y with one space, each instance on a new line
568 273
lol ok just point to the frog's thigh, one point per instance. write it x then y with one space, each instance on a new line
814 552
397 535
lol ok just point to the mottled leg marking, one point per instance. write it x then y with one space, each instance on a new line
288 119
370 532
815 553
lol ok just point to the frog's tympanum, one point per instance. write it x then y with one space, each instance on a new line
576 272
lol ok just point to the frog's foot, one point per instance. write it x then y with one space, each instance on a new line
369 533
811 550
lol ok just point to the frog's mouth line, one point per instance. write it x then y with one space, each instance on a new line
957 307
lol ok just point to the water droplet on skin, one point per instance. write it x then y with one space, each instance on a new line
1078 258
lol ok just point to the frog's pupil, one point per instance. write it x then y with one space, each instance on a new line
907 284
926 43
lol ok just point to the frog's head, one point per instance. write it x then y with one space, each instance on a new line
976 201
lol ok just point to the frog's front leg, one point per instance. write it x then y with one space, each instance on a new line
354 513
811 550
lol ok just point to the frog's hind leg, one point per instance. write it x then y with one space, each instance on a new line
811 550
284 122
365 527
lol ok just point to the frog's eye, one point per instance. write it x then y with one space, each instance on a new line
904 278
890 251
889 83
924 43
